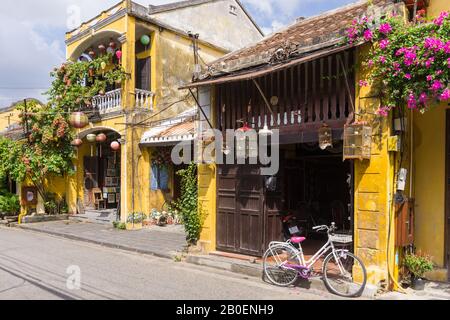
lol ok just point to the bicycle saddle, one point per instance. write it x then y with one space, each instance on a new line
297 239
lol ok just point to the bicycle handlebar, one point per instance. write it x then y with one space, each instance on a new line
324 227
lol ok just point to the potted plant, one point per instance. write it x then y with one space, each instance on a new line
135 220
417 265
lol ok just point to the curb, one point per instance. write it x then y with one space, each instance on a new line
255 270
170 255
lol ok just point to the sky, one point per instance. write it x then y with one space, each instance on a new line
32 35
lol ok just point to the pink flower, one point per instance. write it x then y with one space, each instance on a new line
410 57
385 28
352 33
429 78
447 47
437 85
423 98
434 44
382 59
445 95
429 62
439 72
408 76
363 83
384 44
396 66
412 103
368 35
370 62
383 111
439 20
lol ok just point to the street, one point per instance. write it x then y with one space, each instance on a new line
38 266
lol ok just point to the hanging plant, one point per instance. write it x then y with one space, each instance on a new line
162 157
408 64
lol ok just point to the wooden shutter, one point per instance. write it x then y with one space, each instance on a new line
143 74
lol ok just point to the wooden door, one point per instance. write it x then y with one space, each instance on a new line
240 213
91 176
447 195
143 74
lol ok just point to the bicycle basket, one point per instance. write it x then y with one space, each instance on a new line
341 238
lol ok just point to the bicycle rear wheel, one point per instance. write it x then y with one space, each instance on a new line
277 264
344 274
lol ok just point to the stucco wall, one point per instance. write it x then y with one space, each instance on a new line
214 23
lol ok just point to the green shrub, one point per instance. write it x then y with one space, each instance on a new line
9 204
418 264
119 225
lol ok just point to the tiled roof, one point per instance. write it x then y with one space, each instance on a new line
326 29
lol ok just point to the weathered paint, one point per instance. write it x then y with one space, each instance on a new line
429 176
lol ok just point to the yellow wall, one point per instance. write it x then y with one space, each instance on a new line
8 117
429 182
429 175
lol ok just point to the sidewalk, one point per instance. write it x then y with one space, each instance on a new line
164 242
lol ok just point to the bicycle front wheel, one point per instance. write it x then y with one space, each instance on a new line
279 264
344 274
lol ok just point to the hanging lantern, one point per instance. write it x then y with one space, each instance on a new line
102 47
112 44
103 65
325 137
145 40
265 131
78 120
101 138
119 54
244 147
115 146
110 50
91 137
77 142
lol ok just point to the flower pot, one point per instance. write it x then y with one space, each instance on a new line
134 226
417 283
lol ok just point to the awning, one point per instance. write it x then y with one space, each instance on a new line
171 131
267 69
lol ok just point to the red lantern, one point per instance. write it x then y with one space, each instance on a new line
115 146
78 120
101 138
77 142
119 54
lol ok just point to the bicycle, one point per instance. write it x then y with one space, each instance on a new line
283 263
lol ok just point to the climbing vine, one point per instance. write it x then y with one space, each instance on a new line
188 204
46 150
407 64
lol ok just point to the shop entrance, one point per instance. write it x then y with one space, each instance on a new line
102 176
313 185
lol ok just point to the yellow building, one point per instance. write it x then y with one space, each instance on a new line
160 47
297 97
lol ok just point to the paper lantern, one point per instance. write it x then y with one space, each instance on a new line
77 142
325 137
102 47
115 146
119 54
91 137
92 53
101 138
145 40
103 65
78 120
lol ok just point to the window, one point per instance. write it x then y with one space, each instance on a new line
143 74
233 10
159 178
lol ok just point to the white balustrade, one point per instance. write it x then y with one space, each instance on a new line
144 99
109 102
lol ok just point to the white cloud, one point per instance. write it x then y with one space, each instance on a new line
32 38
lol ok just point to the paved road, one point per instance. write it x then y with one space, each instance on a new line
34 266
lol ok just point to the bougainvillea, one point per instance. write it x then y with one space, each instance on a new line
408 63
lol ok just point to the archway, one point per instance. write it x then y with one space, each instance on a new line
99 175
